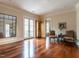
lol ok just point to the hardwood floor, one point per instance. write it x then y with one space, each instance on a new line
39 48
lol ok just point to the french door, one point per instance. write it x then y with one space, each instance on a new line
28 28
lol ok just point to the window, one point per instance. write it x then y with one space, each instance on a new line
7 25
28 28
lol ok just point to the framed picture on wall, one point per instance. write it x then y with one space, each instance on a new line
62 25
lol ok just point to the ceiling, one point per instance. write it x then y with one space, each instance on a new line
40 7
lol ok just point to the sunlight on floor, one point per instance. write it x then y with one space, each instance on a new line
28 48
47 42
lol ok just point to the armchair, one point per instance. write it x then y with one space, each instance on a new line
70 36
52 34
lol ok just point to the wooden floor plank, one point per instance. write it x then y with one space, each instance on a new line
36 48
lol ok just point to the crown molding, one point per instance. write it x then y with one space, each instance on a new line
60 12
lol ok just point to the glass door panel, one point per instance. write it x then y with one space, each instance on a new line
47 26
31 28
26 28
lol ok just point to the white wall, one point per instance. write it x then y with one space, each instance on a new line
20 17
65 16
77 22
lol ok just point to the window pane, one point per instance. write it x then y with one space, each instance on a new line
2 33
7 30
